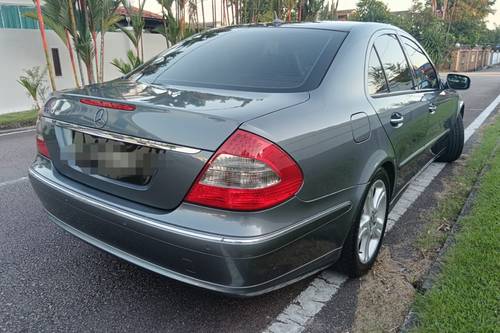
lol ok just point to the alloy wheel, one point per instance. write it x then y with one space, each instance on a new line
371 223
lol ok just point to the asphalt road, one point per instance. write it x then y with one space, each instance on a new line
51 281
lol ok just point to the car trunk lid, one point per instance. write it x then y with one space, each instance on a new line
151 154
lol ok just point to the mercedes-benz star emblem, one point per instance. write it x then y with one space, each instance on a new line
100 118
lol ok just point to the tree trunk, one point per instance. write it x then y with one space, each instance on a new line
72 58
203 15
222 12
236 11
232 12
214 13
83 6
94 39
165 24
226 11
102 56
75 39
90 72
257 12
300 12
45 46
142 48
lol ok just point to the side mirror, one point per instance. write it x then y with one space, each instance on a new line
457 81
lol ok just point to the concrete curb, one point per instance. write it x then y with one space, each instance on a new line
15 130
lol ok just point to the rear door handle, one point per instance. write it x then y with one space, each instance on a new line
432 108
397 119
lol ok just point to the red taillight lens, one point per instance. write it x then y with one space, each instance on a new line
107 104
41 146
247 173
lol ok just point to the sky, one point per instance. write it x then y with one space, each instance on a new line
394 5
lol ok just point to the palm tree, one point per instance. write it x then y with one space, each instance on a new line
55 16
34 84
182 17
164 5
214 13
85 47
93 10
44 43
137 21
108 19
203 15
126 67
193 15
74 32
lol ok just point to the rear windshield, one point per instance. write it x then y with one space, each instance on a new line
247 58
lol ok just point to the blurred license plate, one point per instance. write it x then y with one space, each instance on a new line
111 159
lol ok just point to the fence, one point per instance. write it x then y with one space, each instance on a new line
472 59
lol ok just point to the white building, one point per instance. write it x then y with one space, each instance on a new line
21 48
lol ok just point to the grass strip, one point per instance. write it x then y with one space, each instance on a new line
466 296
453 197
18 119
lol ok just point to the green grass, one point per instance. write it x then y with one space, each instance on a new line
17 119
453 199
466 296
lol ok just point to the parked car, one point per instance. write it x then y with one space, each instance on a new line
246 158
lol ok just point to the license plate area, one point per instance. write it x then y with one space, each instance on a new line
114 160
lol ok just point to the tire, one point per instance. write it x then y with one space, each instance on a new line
455 143
351 261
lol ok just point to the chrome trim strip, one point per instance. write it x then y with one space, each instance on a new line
252 240
123 137
185 232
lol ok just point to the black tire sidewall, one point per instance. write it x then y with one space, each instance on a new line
352 264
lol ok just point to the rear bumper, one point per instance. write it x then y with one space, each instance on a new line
244 266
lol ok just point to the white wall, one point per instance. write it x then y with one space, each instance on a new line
22 49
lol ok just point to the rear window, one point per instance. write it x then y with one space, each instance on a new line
254 59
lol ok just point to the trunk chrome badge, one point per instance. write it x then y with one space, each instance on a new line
100 118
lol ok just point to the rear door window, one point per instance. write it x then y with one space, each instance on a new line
396 68
377 82
425 75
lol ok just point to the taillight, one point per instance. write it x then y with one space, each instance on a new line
41 146
247 173
107 104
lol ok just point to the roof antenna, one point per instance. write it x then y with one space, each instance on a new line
277 22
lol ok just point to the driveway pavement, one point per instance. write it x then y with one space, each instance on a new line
51 281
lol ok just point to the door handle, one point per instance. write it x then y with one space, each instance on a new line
432 108
397 119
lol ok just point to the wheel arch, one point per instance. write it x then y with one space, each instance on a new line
461 106
380 159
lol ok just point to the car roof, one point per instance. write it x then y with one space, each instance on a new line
339 25
347 26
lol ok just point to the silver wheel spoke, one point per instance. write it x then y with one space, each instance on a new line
367 249
363 234
377 231
380 196
365 221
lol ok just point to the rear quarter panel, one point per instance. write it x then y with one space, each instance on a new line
318 134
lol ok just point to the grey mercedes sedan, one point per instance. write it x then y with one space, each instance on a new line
246 158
